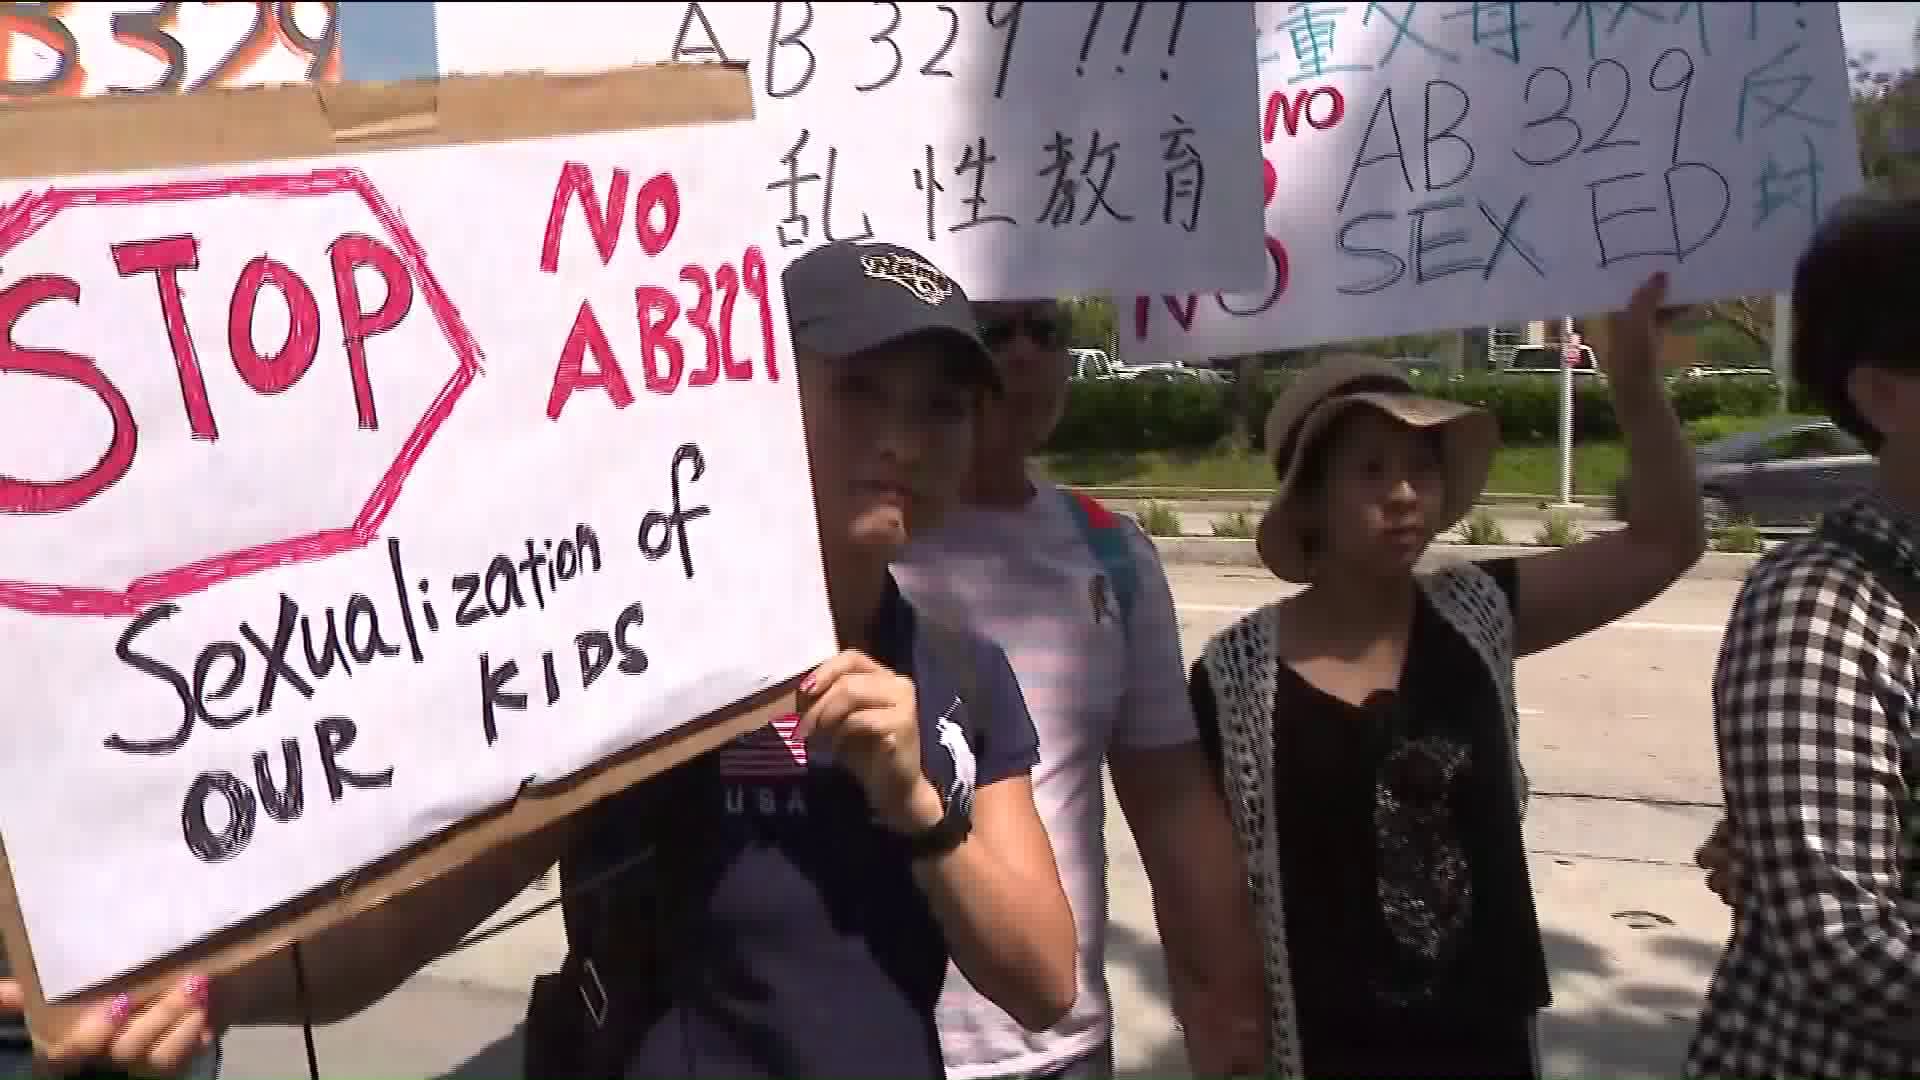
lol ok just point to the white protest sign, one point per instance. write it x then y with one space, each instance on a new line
1433 166
1028 149
341 498
78 50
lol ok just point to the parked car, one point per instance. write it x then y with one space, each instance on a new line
1545 360
1169 372
1092 364
1778 477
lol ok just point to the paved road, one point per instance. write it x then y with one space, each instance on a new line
1620 751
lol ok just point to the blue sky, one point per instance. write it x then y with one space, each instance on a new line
393 39
386 39
1883 29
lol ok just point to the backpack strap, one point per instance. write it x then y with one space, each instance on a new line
624 907
1106 536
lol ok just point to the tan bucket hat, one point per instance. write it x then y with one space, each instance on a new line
1321 393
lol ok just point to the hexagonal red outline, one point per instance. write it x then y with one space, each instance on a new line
26 216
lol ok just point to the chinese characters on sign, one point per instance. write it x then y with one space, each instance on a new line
1435 165
1032 149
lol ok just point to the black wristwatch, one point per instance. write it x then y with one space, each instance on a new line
948 833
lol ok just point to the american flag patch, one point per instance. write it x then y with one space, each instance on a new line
769 753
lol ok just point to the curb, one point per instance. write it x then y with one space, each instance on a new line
1583 512
1213 551
1202 499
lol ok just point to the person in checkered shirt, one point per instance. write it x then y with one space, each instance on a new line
1816 714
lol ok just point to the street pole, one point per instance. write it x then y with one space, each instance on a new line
1782 335
1569 356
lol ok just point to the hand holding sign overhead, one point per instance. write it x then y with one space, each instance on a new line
1633 334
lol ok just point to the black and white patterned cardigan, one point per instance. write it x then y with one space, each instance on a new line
1242 669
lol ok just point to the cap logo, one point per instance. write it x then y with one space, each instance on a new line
922 279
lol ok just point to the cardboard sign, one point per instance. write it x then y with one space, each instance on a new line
79 50
1029 149
350 496
1432 166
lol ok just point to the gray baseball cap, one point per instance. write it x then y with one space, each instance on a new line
845 298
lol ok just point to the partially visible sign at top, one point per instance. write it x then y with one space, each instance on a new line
1029 149
1431 166
78 50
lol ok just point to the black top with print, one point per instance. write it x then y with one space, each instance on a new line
1408 901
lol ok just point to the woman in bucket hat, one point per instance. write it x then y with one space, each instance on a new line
1365 727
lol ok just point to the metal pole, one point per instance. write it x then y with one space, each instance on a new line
1569 355
1782 335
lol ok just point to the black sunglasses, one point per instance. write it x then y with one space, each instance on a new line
1046 331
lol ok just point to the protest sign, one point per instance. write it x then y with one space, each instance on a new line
347 493
1029 149
1432 166
78 50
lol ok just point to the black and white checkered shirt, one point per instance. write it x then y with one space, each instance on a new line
1814 704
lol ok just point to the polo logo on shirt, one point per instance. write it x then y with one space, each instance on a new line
954 740
1100 598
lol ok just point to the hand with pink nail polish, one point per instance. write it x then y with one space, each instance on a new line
160 1039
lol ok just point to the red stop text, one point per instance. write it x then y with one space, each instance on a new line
167 259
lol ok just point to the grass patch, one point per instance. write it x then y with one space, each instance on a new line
1526 470
1517 470
1535 470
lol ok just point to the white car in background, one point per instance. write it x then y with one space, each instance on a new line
1093 364
1171 371
1096 364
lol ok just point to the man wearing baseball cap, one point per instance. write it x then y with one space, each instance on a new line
847 299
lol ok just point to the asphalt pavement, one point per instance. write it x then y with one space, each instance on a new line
1618 742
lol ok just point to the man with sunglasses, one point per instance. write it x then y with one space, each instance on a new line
1076 597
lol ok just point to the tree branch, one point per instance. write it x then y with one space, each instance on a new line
1749 317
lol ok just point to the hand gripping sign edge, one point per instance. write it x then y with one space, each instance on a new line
28 215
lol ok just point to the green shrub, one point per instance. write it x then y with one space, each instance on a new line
1121 415
1559 530
1159 519
1481 527
1740 536
1235 526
